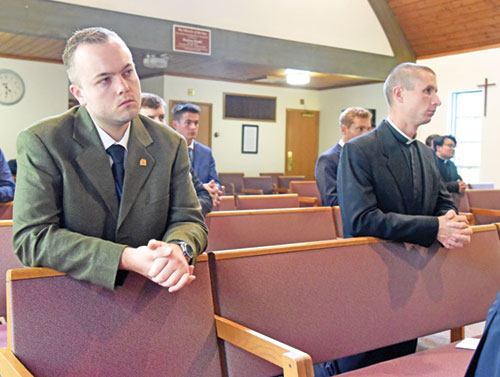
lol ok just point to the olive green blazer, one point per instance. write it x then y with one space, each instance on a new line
66 210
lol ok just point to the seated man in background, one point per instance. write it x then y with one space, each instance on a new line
7 184
429 140
444 146
354 121
154 106
185 120
102 190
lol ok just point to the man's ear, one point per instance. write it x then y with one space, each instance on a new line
397 94
343 129
174 124
78 93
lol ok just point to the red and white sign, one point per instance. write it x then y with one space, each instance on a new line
192 40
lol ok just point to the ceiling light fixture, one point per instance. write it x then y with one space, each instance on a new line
297 77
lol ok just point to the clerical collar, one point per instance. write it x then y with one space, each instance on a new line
342 142
407 139
442 159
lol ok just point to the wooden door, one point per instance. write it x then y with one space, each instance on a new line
302 137
205 126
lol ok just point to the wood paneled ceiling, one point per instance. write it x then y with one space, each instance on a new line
432 28
441 27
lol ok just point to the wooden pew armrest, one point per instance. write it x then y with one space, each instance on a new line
485 211
10 366
252 191
308 200
295 363
282 190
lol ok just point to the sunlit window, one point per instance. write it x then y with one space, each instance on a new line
467 108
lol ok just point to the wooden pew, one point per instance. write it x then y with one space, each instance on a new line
309 195
8 260
484 205
227 203
267 201
241 229
6 210
284 182
337 298
264 184
60 326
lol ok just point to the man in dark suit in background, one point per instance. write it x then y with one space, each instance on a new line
444 146
354 121
389 184
102 190
185 120
154 106
486 359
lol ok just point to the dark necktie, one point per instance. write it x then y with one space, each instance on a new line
190 153
416 170
117 153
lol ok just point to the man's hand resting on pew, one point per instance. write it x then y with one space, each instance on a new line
454 230
161 262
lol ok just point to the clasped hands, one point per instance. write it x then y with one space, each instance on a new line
454 230
161 262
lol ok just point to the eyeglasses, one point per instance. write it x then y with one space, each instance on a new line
453 146
185 106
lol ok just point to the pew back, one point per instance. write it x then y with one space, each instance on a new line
259 183
267 201
241 229
8 260
227 203
6 211
65 327
484 199
337 298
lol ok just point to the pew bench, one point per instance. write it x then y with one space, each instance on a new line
6 210
267 201
59 326
241 229
333 299
484 205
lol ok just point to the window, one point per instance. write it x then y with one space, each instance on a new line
467 108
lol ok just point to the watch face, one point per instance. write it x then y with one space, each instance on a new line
11 87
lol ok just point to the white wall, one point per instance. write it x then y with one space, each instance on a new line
323 22
464 72
333 101
46 94
227 147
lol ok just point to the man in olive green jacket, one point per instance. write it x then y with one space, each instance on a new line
70 213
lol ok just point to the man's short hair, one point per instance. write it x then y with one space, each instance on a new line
92 35
348 115
404 74
152 101
430 138
439 141
180 109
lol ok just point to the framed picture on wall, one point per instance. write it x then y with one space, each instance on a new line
249 139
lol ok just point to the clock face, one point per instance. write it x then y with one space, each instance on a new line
11 87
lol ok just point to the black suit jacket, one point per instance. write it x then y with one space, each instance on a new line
203 195
326 175
375 190
449 173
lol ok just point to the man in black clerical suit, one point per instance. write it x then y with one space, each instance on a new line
444 146
354 121
390 187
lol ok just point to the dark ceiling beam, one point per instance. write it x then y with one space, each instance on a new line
403 52
58 20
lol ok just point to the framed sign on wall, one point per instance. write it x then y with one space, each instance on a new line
249 139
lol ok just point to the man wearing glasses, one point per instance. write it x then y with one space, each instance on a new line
444 146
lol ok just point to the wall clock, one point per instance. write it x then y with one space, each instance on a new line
11 87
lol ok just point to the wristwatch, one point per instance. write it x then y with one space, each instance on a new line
187 250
